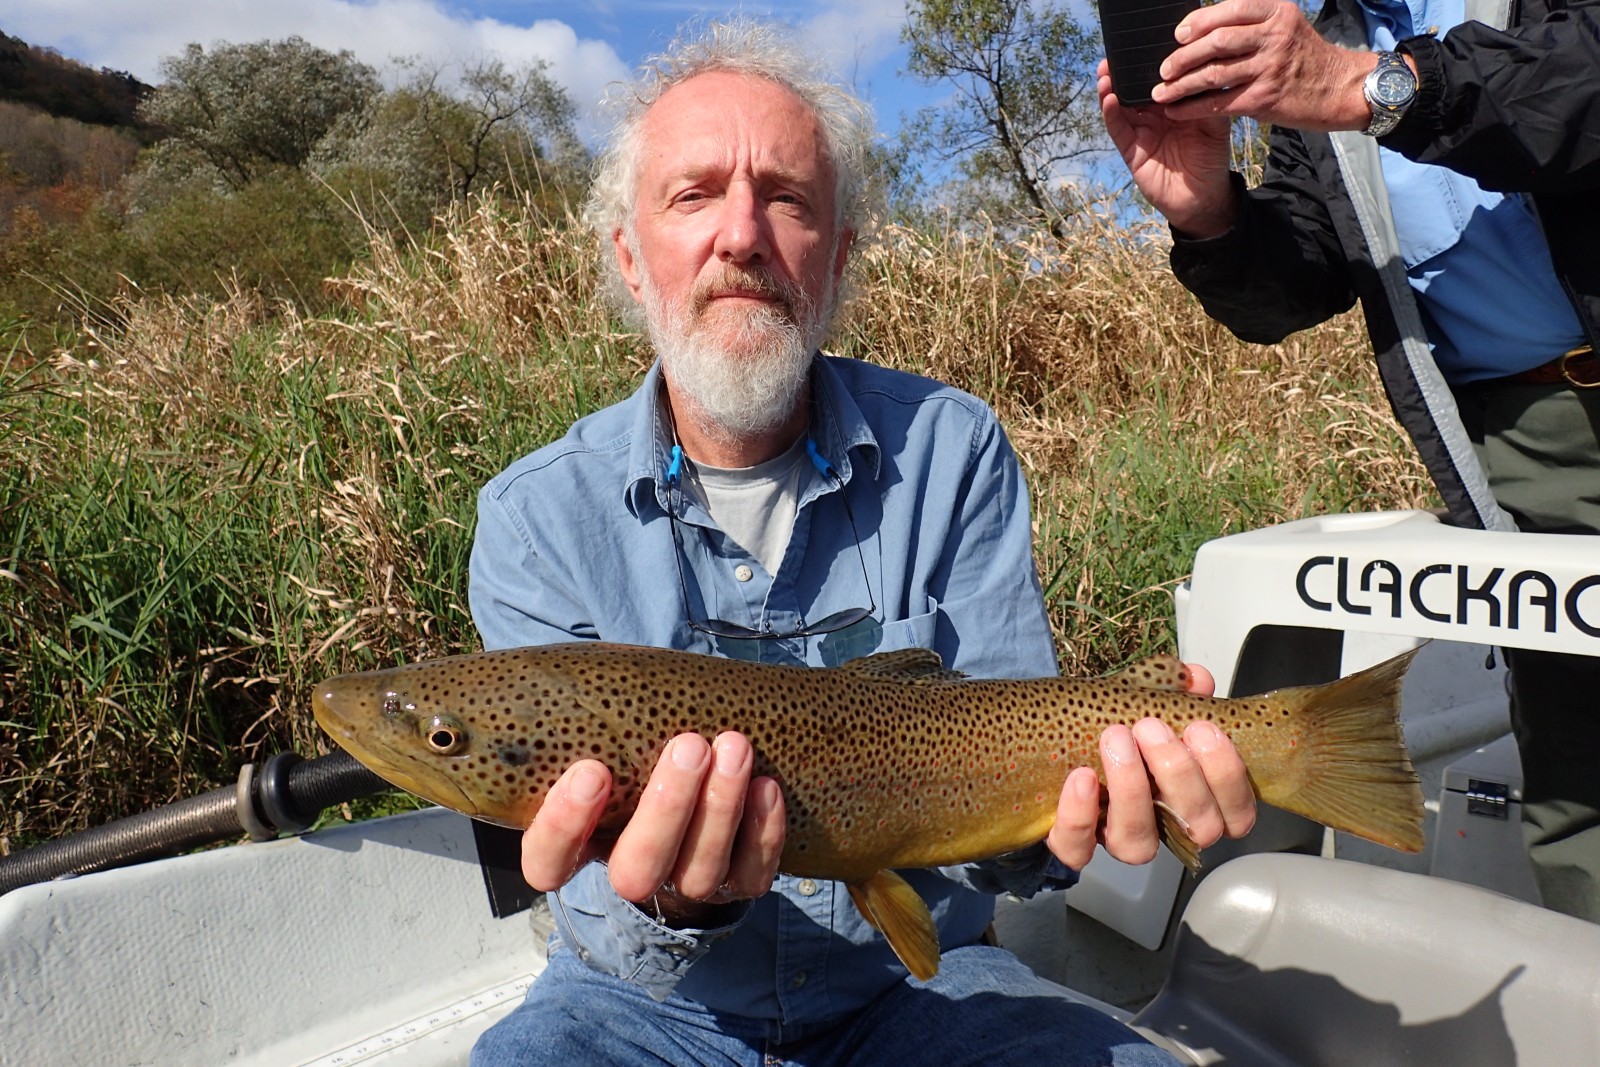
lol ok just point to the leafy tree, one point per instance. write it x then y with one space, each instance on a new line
249 108
500 115
423 143
1024 106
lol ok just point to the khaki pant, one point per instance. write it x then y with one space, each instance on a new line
1540 445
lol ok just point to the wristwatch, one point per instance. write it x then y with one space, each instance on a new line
1389 90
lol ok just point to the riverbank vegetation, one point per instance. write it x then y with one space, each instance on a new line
207 504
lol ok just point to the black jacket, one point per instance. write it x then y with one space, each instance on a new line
1518 110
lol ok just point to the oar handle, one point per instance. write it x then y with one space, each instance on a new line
284 796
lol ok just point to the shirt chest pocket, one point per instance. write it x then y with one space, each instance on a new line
869 637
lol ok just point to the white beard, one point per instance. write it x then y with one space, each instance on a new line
742 372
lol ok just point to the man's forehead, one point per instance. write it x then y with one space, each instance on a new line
724 107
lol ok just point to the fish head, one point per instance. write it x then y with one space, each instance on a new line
428 729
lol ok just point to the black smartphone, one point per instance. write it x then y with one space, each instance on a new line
1138 36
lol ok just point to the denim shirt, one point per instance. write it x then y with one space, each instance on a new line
574 542
1476 258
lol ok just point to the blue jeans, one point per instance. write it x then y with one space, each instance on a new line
984 1007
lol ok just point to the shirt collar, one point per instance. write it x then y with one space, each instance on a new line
838 427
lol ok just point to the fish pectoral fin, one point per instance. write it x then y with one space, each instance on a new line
894 909
1156 672
915 665
1175 835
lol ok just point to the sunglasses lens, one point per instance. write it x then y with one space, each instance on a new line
838 621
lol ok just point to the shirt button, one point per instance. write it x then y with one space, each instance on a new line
798 980
743 573
807 887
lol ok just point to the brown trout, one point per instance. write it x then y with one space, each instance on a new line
888 761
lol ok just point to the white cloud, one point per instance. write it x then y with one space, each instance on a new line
133 35
856 35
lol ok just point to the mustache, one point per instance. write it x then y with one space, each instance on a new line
752 281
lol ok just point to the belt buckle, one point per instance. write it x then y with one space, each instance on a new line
1566 369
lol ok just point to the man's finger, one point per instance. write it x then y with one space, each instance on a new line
1226 776
646 853
1130 833
1076 831
1201 681
1178 780
707 843
557 843
761 837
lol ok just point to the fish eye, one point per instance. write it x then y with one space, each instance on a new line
444 735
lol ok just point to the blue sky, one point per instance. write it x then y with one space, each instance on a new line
586 45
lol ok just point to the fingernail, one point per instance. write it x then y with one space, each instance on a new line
730 757
686 755
585 785
763 802
1117 747
1203 737
1153 732
1183 32
1085 786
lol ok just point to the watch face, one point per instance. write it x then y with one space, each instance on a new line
1394 87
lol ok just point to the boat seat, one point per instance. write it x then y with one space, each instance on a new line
1298 961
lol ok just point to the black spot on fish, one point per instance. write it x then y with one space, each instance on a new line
514 757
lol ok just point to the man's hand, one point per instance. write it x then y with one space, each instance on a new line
1200 777
704 833
1255 58
1181 167
1261 58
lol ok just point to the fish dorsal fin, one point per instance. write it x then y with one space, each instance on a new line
918 665
1156 672
888 902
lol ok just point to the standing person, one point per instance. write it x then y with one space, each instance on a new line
757 499
1440 162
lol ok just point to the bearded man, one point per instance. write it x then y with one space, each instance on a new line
755 498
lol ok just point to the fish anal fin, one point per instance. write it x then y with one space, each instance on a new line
888 902
917 665
1175 835
1156 672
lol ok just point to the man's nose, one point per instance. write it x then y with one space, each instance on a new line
742 233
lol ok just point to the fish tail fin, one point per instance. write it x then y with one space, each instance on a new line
1350 768
895 910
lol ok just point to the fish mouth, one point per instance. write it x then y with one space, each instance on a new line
433 789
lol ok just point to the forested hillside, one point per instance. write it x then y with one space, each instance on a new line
66 88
